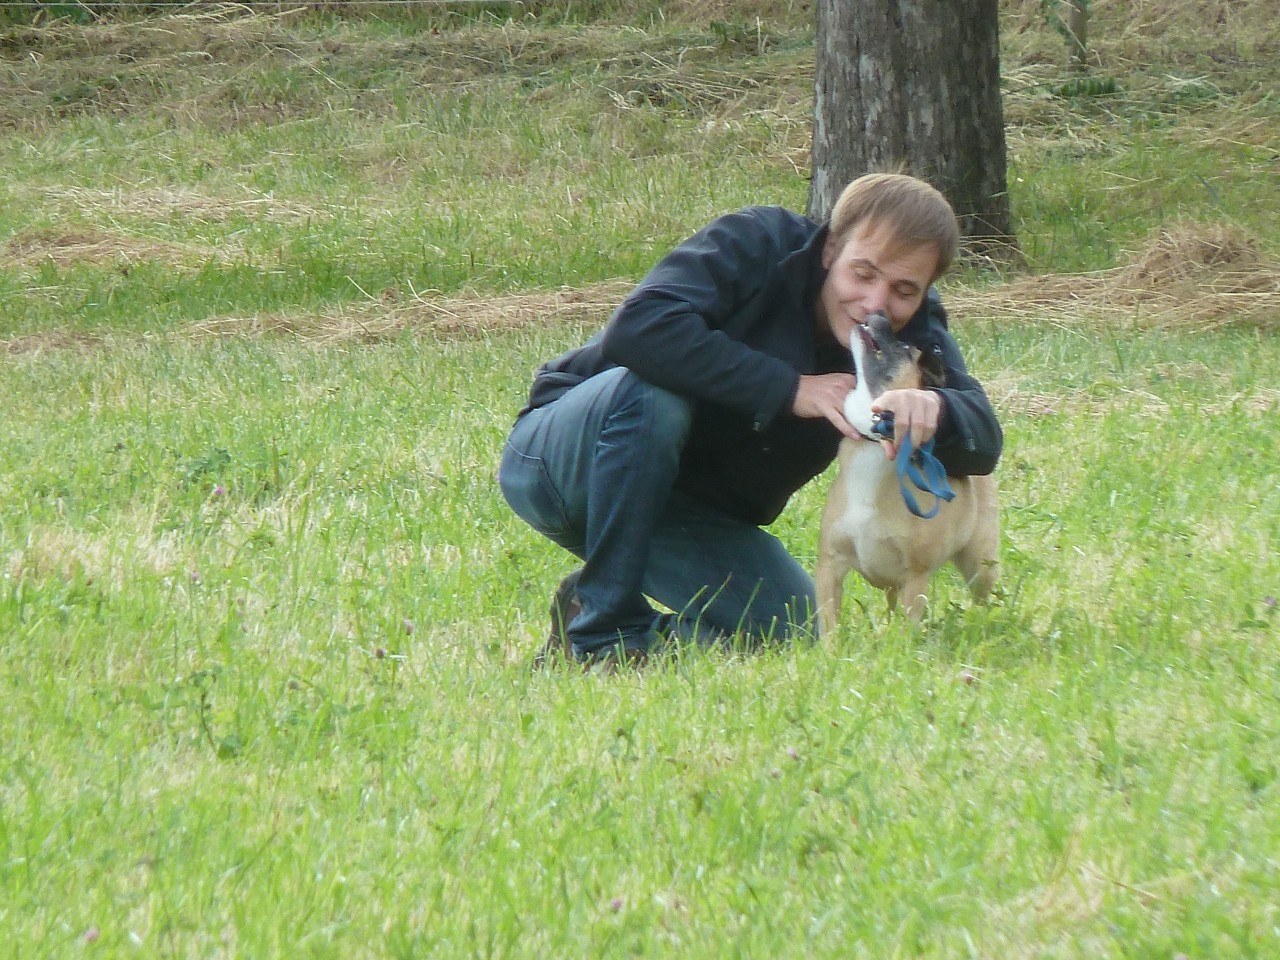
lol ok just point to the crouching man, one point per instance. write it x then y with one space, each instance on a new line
657 452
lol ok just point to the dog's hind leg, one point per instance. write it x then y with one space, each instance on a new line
979 560
979 563
980 574
913 594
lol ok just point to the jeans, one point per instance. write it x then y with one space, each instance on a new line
594 471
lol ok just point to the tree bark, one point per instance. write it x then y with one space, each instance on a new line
1078 28
914 86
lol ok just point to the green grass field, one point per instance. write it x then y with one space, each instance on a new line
272 288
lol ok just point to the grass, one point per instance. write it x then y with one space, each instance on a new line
265 680
266 317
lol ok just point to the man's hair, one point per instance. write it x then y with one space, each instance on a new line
913 212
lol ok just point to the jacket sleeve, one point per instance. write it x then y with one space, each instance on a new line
671 330
969 439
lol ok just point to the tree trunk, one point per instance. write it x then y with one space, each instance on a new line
914 86
1078 30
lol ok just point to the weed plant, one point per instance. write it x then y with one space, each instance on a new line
264 685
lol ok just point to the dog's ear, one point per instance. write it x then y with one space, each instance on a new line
933 373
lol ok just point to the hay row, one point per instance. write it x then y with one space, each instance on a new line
162 204
1010 398
66 248
460 316
1191 276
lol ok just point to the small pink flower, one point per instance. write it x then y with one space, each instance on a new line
616 904
219 490
408 625
793 753
92 934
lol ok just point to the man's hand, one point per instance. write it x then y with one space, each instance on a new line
822 395
914 411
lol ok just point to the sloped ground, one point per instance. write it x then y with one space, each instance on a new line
191 67
195 69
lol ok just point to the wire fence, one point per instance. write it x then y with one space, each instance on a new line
86 11
169 5
105 8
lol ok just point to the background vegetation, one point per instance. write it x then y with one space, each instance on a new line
272 284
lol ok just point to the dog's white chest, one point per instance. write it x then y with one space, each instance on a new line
863 474
857 405
873 524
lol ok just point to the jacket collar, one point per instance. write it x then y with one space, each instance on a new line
802 268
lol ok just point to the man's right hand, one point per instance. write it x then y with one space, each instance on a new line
823 395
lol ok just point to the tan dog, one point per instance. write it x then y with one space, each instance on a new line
866 525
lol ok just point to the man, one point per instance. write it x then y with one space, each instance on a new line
657 451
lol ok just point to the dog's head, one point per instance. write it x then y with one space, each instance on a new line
885 363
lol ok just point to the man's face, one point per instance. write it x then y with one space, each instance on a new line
867 274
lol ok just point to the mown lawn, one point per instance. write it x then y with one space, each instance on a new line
269 300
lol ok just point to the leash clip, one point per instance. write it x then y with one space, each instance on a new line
882 425
918 466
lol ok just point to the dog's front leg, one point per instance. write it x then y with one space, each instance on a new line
828 578
835 552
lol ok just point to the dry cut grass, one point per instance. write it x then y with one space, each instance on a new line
1189 276
164 203
64 248
462 316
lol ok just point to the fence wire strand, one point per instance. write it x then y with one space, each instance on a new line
161 5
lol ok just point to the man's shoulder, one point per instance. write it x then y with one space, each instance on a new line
767 228
773 217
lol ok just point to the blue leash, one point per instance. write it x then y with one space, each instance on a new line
921 467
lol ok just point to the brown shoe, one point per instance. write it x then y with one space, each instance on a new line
564 607
615 661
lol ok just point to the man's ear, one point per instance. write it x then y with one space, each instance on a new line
830 250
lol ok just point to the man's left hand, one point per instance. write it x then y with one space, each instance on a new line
915 412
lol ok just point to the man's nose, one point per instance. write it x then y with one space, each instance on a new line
877 298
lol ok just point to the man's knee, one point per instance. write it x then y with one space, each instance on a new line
664 416
780 623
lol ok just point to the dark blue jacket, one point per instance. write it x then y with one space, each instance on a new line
728 319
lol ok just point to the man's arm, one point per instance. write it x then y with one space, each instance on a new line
671 330
969 439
